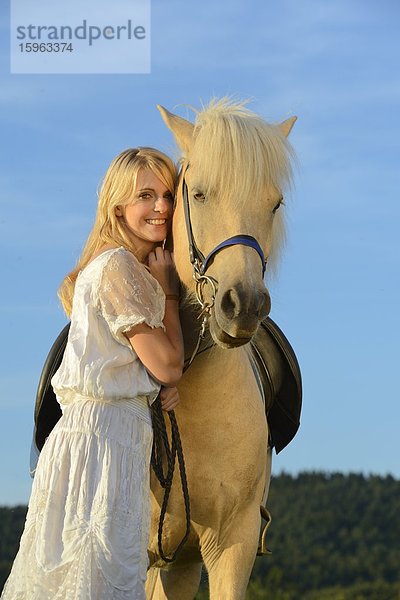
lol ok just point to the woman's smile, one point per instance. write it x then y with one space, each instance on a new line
156 221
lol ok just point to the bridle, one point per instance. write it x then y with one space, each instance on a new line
200 263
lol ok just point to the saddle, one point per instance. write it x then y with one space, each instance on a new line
47 409
279 378
276 369
278 372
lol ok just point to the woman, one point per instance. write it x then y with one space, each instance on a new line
87 526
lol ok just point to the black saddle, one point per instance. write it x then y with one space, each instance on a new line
280 375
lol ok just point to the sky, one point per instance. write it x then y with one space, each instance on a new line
336 295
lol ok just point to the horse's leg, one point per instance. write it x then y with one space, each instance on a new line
178 583
229 567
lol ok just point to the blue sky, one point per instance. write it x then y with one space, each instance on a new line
336 296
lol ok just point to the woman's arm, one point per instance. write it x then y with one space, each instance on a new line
160 351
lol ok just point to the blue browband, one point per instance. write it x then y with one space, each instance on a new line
244 240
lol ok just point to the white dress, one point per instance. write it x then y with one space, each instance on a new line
87 527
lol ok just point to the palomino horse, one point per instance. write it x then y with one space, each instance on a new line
235 167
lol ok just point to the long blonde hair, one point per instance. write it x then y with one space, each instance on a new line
118 185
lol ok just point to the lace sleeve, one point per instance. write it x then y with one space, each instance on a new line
128 295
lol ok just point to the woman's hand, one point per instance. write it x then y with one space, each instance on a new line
162 267
169 398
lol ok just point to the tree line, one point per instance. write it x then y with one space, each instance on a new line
333 537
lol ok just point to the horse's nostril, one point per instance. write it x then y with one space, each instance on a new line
265 304
230 303
235 303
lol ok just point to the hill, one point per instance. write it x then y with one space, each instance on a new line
332 531
333 537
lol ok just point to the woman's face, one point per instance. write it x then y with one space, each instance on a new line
149 212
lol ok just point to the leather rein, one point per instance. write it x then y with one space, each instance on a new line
200 264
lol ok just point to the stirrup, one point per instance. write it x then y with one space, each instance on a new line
262 548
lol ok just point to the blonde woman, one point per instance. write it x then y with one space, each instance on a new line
87 527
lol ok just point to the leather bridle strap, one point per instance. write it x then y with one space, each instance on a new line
194 252
197 258
244 240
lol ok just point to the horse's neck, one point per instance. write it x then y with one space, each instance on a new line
191 324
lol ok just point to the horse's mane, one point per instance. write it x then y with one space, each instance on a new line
238 154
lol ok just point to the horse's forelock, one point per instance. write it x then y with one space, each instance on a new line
236 151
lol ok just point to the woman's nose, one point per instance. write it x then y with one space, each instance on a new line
161 204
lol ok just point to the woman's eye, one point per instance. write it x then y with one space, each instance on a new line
145 196
199 196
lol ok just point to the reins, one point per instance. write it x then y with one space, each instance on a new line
161 444
173 450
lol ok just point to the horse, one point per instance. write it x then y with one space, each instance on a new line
227 224
228 215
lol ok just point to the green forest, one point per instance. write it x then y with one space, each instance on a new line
333 537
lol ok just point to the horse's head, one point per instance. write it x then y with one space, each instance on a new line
235 167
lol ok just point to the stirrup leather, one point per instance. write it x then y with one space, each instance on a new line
262 548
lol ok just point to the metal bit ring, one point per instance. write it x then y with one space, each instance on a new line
201 282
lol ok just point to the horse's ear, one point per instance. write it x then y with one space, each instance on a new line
182 129
286 126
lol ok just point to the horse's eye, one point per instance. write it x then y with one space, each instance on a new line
199 196
277 206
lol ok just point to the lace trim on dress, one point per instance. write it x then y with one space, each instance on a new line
128 295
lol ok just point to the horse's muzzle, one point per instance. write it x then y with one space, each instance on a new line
238 302
238 312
